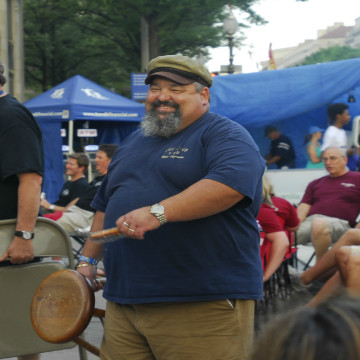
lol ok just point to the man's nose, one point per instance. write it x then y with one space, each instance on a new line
164 95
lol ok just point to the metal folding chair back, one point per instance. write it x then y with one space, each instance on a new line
19 282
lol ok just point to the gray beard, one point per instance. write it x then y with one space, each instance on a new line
153 126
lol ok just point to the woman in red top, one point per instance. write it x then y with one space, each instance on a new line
275 241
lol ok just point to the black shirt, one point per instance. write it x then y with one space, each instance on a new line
21 150
86 198
71 190
283 147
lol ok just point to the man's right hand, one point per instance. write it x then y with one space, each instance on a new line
20 251
44 203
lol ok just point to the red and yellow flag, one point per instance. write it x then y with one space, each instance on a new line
272 64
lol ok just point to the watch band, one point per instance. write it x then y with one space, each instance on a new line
161 218
26 235
52 207
158 211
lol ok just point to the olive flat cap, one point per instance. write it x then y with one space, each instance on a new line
178 68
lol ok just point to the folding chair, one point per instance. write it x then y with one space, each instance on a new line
79 236
19 282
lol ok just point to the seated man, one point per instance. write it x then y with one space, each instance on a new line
76 167
330 205
282 151
79 213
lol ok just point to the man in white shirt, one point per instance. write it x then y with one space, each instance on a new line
335 135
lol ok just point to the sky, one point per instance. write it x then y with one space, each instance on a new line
290 23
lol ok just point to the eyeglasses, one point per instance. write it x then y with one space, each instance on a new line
331 158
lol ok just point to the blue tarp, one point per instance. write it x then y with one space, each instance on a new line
291 99
82 100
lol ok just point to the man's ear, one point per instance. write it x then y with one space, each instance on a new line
205 95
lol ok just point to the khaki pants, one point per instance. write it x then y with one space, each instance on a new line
218 330
74 218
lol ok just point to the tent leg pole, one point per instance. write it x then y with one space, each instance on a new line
71 136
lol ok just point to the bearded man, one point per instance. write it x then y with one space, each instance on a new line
184 190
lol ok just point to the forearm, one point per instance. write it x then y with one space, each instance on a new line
202 199
273 160
28 200
52 207
267 157
277 253
302 211
311 150
20 250
92 249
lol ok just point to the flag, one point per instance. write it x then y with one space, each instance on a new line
272 65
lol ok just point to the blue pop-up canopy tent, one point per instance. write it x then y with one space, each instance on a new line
75 99
291 99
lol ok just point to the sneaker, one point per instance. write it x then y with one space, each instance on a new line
295 279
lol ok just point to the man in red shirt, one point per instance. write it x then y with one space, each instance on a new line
331 204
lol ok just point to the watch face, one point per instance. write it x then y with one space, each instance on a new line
157 209
27 235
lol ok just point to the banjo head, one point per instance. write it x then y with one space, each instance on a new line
62 306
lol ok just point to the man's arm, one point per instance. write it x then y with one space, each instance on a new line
45 204
273 160
268 156
311 150
202 199
20 250
93 250
302 210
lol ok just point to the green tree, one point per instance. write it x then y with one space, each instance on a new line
55 47
333 53
101 39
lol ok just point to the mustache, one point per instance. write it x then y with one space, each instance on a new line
164 103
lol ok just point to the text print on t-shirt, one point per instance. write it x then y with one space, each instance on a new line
175 153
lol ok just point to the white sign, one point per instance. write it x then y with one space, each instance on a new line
63 132
87 133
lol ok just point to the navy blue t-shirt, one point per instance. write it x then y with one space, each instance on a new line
215 257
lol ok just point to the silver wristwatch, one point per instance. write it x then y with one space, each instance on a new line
26 235
158 211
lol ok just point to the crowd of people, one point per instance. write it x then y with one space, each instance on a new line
200 239
282 151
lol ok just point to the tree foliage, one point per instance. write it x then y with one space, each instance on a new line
101 39
333 53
